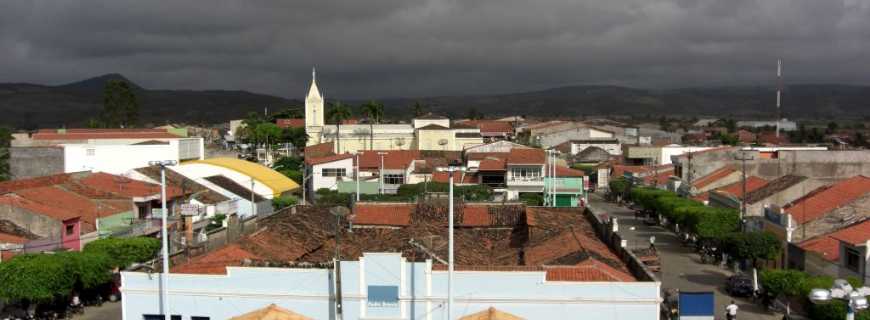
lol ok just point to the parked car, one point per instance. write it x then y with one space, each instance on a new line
739 285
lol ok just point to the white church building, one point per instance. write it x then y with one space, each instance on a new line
430 132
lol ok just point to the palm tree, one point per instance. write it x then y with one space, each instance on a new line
337 113
375 112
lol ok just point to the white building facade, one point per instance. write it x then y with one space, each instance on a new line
386 286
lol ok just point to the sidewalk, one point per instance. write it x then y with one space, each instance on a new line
681 266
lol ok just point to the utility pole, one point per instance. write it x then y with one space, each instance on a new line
553 184
743 157
339 212
164 277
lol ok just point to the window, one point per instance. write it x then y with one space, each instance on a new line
383 296
394 179
525 174
199 318
70 229
853 259
91 152
333 172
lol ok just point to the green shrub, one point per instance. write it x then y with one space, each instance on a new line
124 251
385 197
36 277
331 198
790 283
712 223
294 175
532 199
90 269
469 193
618 185
753 245
284 201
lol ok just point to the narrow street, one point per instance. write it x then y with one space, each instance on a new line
107 311
681 266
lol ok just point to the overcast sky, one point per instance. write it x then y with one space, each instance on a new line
378 48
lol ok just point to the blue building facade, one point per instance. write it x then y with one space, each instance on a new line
386 286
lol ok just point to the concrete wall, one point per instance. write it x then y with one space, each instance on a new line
821 166
421 293
611 148
28 162
37 224
783 197
580 133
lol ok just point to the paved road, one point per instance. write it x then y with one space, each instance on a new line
108 311
681 266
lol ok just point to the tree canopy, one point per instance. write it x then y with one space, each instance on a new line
120 107
125 251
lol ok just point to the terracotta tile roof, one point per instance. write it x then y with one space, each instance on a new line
492 127
393 159
32 206
773 187
856 234
713 176
6 255
124 186
526 156
85 134
564 245
825 246
215 262
661 177
736 189
44 181
74 205
562 172
821 201
319 150
389 214
326 159
290 123
589 270
485 155
492 164
11 238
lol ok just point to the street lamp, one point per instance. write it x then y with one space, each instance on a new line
339 212
454 166
356 174
164 292
856 299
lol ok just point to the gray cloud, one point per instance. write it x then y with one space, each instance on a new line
434 47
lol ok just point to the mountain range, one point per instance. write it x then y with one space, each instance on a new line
25 105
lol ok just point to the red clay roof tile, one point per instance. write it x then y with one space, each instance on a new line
713 177
215 262
326 159
526 156
736 189
393 159
290 123
821 201
85 134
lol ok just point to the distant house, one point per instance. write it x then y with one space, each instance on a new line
70 210
53 151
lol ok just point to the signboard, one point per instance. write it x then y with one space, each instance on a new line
189 209
383 297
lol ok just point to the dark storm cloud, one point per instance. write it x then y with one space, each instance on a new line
434 47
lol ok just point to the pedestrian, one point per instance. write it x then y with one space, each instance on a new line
731 311
652 244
